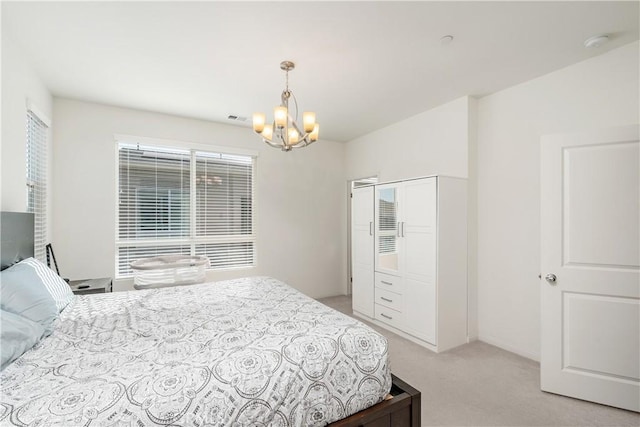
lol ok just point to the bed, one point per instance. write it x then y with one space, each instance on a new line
249 351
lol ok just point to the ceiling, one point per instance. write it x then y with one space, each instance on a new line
359 65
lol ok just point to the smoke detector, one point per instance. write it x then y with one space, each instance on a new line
596 41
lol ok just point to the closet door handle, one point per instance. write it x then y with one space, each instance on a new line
370 228
403 228
398 229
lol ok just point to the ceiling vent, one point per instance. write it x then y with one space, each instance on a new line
236 118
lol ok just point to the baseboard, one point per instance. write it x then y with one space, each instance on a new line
508 347
405 335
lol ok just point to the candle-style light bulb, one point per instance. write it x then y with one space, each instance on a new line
280 116
293 136
315 133
258 122
267 132
309 121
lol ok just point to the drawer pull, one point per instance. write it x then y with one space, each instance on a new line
386 299
386 283
386 317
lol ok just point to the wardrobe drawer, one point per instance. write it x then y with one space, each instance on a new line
388 282
389 316
389 299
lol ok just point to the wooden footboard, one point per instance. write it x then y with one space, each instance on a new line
403 410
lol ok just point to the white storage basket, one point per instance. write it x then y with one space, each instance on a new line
169 270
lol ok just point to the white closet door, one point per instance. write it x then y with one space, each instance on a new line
418 229
418 235
590 290
362 256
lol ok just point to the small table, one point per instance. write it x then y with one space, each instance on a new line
91 286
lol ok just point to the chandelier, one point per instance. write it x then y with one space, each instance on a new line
284 132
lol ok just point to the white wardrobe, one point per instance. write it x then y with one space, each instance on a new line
409 258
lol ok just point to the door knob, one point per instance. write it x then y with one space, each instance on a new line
551 278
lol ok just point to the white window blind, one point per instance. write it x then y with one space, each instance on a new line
186 202
224 198
388 226
36 155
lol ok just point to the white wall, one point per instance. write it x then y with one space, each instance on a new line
600 92
440 141
472 220
430 143
19 83
300 196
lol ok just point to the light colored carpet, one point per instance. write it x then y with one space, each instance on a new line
478 384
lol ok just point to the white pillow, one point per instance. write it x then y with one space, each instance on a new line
57 287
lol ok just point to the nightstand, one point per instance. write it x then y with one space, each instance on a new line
91 286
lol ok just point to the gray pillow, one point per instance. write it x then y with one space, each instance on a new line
23 293
17 335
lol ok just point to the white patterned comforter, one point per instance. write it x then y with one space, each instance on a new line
242 352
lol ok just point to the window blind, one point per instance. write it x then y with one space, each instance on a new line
388 226
223 194
154 193
184 202
36 155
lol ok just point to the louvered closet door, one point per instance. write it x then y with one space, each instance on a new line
418 231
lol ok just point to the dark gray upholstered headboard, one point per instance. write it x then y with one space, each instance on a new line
16 237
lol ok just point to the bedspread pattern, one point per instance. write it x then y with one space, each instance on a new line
242 352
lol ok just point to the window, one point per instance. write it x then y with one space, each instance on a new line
36 155
186 202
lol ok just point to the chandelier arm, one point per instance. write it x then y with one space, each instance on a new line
294 125
300 145
303 142
282 135
295 102
271 143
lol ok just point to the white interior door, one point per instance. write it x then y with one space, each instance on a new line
362 256
590 295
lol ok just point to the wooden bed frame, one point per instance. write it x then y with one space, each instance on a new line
402 410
